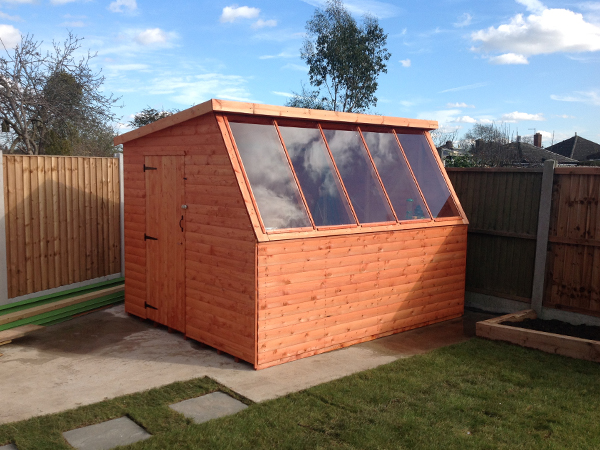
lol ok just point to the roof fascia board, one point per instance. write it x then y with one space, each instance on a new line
227 106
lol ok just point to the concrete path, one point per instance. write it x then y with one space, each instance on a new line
107 354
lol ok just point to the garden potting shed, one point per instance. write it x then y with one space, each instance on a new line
274 233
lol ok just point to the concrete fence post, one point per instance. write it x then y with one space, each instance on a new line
543 230
122 212
3 261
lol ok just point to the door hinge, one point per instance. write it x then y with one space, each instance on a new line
149 168
146 305
150 238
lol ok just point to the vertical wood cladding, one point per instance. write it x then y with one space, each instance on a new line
319 294
219 238
62 220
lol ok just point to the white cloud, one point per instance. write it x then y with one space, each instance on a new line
464 88
61 2
295 67
590 97
194 89
564 116
465 119
407 103
264 23
542 32
153 37
10 36
283 54
464 20
405 62
376 8
234 12
459 105
442 116
9 17
119 6
534 6
518 116
127 67
509 58
282 94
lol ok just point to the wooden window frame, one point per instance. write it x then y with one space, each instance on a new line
352 228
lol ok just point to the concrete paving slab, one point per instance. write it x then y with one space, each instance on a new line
208 407
106 435
9 447
56 368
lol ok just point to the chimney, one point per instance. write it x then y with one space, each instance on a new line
537 140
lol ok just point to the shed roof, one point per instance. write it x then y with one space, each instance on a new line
227 106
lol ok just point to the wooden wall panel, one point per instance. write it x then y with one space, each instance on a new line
315 295
502 207
573 275
49 235
220 241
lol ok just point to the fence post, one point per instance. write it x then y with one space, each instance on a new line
541 245
3 262
122 212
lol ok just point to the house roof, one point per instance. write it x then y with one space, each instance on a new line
576 147
537 155
227 106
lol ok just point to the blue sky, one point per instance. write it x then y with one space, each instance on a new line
527 63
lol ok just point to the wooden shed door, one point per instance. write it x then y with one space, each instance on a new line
165 240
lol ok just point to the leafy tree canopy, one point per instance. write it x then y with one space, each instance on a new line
344 59
149 115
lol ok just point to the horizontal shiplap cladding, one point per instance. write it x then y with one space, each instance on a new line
226 106
319 294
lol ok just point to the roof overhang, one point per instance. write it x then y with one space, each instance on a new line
227 106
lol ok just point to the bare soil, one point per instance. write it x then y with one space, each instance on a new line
558 327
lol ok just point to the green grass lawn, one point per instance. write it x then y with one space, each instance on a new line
475 395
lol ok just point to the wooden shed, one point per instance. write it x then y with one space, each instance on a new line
275 233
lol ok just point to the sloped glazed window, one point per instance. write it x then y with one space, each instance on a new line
358 176
273 186
428 175
395 175
319 182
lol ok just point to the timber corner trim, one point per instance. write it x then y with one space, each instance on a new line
547 342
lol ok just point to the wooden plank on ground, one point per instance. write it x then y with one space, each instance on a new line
24 314
15 333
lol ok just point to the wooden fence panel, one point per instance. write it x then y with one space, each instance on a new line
573 269
62 220
502 207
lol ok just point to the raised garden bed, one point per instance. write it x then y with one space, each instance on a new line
515 328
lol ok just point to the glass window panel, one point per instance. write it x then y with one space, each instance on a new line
428 175
395 174
316 175
268 171
358 176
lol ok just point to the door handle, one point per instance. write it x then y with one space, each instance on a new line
180 225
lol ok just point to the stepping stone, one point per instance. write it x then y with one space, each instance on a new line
208 407
9 447
106 435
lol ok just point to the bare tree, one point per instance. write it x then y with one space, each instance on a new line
490 145
51 99
442 136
